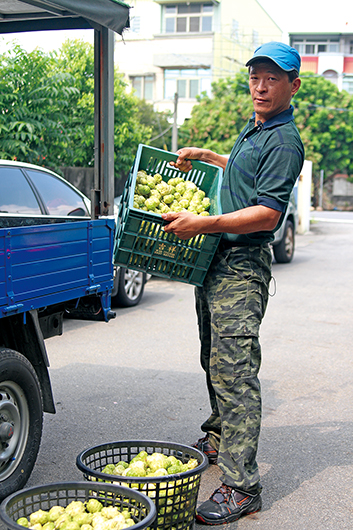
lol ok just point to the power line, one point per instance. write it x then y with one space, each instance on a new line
162 133
308 103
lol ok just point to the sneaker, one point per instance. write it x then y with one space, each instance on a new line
203 444
227 505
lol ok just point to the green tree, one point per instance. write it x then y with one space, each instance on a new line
323 114
160 123
324 117
129 132
77 58
216 121
47 110
34 98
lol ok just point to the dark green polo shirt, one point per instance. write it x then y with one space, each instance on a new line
263 167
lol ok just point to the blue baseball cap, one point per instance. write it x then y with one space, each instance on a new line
283 55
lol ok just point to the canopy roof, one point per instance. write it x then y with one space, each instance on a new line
38 15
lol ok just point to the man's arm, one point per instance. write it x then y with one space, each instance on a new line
186 154
252 219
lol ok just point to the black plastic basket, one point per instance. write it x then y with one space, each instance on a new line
26 501
175 496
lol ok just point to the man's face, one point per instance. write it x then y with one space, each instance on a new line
270 89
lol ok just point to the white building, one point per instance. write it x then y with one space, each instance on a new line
327 54
180 47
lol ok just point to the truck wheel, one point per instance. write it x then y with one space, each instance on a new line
21 420
284 251
131 285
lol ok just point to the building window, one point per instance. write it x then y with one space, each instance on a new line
331 75
310 49
334 47
188 18
347 83
234 32
135 24
143 86
255 38
314 47
187 83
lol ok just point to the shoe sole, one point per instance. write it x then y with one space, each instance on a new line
230 518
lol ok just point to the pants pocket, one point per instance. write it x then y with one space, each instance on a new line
239 352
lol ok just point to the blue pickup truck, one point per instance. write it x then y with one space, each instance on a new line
45 270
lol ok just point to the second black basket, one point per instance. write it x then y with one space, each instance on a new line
175 496
44 497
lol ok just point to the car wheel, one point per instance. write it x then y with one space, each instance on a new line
284 250
131 285
21 420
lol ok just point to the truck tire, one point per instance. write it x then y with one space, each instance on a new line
21 420
284 250
131 285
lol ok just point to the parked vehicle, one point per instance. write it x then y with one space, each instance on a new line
31 194
45 270
55 261
284 242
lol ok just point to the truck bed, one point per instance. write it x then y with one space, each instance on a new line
50 264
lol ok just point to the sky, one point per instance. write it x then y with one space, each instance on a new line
46 40
311 15
299 15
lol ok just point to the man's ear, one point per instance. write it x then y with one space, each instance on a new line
296 85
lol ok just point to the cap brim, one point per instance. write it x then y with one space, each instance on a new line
259 57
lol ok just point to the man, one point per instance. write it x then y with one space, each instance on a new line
260 173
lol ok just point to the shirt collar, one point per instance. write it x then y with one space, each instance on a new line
281 118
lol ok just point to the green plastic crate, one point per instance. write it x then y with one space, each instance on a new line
141 243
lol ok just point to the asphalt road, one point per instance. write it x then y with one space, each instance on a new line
138 377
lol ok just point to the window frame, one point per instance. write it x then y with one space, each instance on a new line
172 29
143 78
69 191
303 46
186 77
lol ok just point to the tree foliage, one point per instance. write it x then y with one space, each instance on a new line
160 123
47 109
216 121
323 115
34 99
77 58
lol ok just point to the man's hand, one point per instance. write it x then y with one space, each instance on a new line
251 219
184 224
184 156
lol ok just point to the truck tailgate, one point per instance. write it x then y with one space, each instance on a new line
49 264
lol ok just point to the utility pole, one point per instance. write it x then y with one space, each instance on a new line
175 125
321 190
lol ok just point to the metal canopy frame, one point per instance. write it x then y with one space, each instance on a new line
106 17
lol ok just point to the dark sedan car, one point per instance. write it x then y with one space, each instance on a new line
31 194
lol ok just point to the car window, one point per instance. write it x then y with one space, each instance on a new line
16 195
59 198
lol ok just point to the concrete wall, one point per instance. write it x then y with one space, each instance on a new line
342 192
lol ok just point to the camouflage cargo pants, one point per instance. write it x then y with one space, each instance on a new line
230 307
